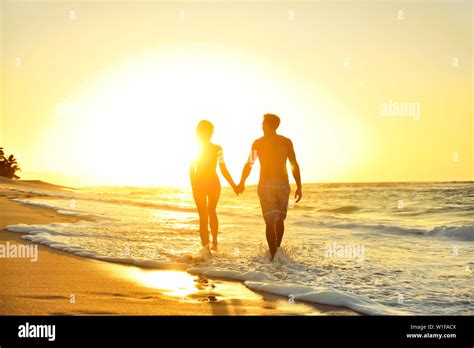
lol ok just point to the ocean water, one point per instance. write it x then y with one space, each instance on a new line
393 248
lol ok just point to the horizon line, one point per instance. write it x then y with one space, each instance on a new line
304 183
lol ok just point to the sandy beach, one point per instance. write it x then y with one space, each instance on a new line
59 283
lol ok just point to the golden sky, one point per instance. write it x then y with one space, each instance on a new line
110 93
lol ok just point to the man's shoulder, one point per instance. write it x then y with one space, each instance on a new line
284 139
257 141
278 138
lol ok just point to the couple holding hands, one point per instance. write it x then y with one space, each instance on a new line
273 151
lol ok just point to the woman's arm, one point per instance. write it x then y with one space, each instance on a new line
227 175
224 171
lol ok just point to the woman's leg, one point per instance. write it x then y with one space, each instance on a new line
213 199
201 204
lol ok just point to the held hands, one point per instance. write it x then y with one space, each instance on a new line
238 189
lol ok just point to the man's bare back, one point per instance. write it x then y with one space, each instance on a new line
273 151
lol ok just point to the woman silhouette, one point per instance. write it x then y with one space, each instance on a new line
205 183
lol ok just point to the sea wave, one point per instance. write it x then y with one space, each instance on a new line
347 209
460 232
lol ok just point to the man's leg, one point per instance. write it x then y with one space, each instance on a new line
280 230
282 199
271 237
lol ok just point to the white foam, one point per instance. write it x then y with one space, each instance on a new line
325 296
232 274
262 278
266 282
61 211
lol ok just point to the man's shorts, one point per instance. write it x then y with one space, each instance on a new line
274 196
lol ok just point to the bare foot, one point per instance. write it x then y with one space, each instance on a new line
205 252
214 246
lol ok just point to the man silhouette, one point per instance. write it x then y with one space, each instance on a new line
273 150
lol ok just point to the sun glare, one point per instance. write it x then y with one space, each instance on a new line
175 283
135 124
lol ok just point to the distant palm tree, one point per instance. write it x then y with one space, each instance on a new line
8 166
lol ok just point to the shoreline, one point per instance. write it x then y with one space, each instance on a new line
61 283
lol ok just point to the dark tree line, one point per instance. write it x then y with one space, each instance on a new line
8 166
